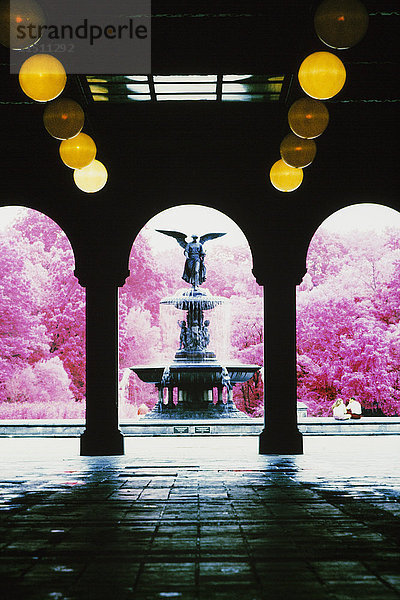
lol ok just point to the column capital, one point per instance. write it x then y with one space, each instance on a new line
282 277
101 278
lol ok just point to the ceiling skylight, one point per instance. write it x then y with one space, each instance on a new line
158 88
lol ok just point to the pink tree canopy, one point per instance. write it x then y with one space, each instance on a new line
42 326
348 319
348 322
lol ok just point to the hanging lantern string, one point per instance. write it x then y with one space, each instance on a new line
339 24
42 78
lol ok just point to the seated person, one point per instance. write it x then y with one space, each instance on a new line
354 408
340 410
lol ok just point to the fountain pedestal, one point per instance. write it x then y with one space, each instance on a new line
195 385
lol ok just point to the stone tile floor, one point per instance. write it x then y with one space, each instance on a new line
200 518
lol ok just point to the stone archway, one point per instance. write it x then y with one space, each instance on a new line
347 312
157 258
43 319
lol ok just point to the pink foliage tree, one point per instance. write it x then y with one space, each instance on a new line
348 318
23 337
139 332
348 322
42 335
247 339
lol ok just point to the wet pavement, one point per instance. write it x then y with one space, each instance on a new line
200 518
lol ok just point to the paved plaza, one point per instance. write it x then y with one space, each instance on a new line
201 518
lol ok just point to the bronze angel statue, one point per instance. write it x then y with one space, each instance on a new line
195 270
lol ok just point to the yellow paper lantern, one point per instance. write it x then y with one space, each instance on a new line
20 22
63 118
308 118
297 152
341 23
322 75
78 152
42 77
285 178
91 178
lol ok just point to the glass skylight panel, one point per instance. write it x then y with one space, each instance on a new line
274 88
98 89
153 88
243 97
235 77
184 78
234 87
138 77
138 97
186 96
185 88
138 88
252 87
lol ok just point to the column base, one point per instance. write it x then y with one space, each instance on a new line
281 442
102 444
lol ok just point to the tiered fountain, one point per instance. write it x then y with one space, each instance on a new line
200 384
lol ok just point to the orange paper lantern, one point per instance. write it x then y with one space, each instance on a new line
308 118
322 75
297 152
285 178
92 178
78 152
20 22
341 23
42 77
63 118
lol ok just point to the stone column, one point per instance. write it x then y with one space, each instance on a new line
280 435
102 436
170 402
220 399
160 398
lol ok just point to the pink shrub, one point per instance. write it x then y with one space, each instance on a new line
45 381
42 410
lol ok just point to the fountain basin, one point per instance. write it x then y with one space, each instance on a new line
194 383
203 374
187 299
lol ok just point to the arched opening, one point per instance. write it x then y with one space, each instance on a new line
348 315
150 335
42 308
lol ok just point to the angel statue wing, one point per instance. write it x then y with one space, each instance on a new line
180 237
210 236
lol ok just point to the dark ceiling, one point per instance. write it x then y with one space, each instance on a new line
162 154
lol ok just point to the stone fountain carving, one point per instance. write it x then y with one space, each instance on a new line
196 375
